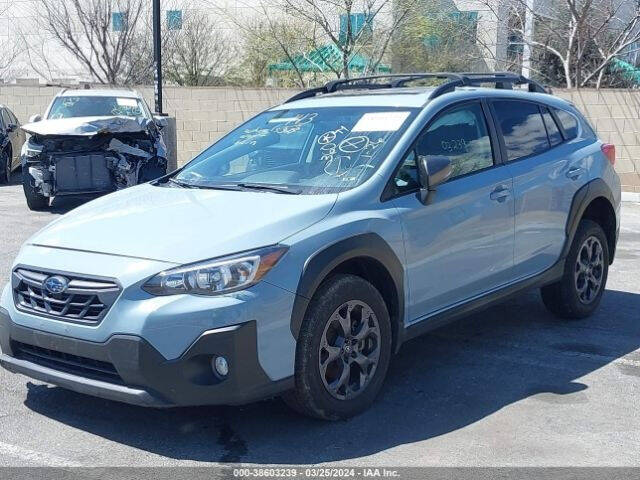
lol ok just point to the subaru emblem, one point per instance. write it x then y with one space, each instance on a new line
56 284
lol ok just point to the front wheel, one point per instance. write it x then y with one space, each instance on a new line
344 350
35 201
578 293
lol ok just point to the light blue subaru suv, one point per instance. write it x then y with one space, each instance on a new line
294 256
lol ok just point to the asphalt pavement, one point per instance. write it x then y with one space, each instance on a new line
510 386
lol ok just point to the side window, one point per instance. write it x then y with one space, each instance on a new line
459 133
406 178
555 137
522 128
569 123
3 122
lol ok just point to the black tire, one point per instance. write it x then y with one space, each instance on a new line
5 164
312 395
576 295
35 201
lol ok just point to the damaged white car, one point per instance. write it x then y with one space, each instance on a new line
91 142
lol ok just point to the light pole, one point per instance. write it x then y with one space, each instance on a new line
157 57
527 36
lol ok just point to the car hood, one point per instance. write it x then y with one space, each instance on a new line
87 126
182 225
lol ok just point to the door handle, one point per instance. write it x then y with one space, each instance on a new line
500 193
575 173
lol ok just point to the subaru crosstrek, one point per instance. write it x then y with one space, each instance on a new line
294 256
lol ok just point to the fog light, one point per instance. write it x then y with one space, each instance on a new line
220 366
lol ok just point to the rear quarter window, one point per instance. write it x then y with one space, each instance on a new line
555 137
569 123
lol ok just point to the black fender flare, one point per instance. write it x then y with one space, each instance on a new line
316 269
590 191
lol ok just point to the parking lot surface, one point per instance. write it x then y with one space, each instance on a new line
510 386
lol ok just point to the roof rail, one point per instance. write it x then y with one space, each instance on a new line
504 80
368 83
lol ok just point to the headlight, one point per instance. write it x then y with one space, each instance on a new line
30 149
216 276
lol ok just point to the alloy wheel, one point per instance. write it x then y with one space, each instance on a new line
589 270
349 350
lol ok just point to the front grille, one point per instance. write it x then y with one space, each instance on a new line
83 172
66 362
85 300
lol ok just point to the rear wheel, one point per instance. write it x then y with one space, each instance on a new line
343 352
35 200
578 293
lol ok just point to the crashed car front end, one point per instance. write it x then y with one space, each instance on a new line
92 155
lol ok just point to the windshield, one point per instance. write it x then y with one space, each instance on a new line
308 151
96 106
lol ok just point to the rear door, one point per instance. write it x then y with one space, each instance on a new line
546 174
461 244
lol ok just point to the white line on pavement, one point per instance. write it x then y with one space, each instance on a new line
40 458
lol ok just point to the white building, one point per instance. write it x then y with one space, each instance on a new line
28 53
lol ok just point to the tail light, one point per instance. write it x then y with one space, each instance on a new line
609 152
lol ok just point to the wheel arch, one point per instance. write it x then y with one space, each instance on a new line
593 201
367 256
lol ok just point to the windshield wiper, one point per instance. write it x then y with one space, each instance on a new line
269 188
182 184
210 186
237 186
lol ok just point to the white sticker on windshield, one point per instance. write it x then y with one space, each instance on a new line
380 122
127 102
283 119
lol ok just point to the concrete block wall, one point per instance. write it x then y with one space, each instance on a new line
204 114
615 114
26 100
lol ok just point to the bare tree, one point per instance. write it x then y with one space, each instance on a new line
268 37
301 29
10 50
199 53
381 20
434 38
97 33
583 36
138 58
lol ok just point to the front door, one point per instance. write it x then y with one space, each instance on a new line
461 244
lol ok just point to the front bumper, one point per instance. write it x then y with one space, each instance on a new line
128 369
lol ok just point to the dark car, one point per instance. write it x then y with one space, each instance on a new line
11 138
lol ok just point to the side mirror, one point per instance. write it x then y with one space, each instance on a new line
434 170
11 127
35 118
161 121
